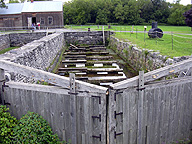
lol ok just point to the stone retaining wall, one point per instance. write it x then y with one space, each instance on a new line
92 37
20 39
141 59
4 41
37 54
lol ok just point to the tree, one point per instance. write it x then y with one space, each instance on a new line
188 18
2 4
13 1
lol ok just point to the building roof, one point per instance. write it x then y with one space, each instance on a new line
43 6
13 8
36 6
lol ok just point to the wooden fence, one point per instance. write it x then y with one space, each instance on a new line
139 110
75 110
145 112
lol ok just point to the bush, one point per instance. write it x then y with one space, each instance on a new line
32 128
7 122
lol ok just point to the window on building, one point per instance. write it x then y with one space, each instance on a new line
50 20
42 21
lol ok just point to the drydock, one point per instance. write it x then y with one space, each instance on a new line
93 64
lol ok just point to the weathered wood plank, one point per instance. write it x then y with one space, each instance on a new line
103 62
154 75
112 122
73 109
126 113
75 56
49 77
73 61
119 118
2 80
86 53
140 108
99 57
72 69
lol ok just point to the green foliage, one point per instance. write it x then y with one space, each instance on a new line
13 1
176 17
2 4
116 11
7 49
32 128
7 122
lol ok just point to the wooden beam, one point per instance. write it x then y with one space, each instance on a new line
103 62
154 75
99 57
105 70
72 69
49 77
74 61
86 53
75 56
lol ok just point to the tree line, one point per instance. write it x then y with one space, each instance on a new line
131 12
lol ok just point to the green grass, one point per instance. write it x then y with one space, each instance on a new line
7 49
59 61
174 29
182 44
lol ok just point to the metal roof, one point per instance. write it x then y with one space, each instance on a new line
43 6
12 8
36 6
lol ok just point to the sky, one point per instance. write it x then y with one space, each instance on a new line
184 2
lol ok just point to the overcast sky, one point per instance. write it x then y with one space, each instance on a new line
184 2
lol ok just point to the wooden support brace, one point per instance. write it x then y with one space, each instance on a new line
73 108
140 108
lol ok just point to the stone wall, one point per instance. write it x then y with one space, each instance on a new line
37 54
20 39
4 41
92 37
141 59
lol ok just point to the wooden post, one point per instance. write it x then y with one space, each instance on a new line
47 32
103 35
140 108
2 80
83 139
73 108
144 36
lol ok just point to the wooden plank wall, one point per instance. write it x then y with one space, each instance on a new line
167 113
54 104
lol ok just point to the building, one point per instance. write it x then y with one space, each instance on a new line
23 15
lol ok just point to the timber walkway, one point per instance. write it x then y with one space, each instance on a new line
92 64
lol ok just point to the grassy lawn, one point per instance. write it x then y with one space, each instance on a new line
7 49
182 44
174 29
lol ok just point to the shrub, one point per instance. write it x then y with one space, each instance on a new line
7 122
32 128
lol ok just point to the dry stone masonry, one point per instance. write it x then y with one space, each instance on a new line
142 59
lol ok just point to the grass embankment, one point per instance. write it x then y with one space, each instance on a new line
7 49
